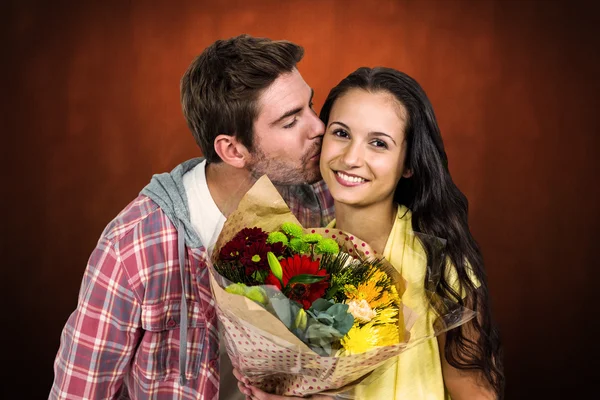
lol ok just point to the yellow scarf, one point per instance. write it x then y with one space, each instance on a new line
415 374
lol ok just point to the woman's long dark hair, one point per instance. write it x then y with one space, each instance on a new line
438 209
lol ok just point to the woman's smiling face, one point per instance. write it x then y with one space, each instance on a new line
363 153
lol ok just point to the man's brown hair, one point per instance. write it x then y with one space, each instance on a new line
220 89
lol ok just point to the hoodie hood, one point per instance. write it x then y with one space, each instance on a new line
168 192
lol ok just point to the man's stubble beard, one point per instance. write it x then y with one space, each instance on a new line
281 172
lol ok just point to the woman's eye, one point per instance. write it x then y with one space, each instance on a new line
380 144
340 133
291 124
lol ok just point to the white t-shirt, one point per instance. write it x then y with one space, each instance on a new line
207 220
205 216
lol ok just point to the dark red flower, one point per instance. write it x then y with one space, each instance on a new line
277 249
252 235
255 257
233 250
303 293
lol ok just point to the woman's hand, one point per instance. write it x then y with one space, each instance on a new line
253 393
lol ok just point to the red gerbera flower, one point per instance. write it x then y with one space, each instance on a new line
303 293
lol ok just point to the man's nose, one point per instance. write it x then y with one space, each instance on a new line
317 127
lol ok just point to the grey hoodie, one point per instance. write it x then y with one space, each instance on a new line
168 192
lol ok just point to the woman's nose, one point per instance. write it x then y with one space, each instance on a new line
353 155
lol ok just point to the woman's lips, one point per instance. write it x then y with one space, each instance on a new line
349 180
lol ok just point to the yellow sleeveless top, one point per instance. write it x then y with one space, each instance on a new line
416 374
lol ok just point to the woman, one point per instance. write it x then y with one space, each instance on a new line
384 162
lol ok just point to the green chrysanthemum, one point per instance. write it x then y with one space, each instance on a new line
254 293
299 246
327 246
292 229
277 237
257 294
312 238
236 288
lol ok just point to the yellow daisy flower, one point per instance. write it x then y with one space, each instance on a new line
377 276
387 334
368 291
386 316
358 340
361 339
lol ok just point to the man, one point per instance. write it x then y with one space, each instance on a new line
145 324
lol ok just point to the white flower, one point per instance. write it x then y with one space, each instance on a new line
361 310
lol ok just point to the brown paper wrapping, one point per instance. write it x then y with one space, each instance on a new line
260 346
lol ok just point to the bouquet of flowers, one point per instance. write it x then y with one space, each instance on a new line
304 310
324 296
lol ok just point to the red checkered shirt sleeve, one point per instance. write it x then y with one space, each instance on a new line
99 338
326 201
311 204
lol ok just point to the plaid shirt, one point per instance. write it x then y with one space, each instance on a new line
122 341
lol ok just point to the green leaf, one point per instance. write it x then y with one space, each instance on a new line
345 324
260 276
326 319
306 279
338 309
332 291
321 305
283 309
332 314
321 331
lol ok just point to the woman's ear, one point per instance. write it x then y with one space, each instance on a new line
231 151
407 173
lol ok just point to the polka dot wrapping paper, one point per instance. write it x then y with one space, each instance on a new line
283 370
260 346
263 349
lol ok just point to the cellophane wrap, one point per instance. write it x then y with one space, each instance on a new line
264 350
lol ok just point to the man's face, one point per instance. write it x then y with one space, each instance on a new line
287 133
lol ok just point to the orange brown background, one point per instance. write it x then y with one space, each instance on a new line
91 110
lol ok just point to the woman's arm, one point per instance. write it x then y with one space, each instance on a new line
461 383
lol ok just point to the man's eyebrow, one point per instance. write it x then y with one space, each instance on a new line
292 111
286 115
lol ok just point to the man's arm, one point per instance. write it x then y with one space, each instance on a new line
100 336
